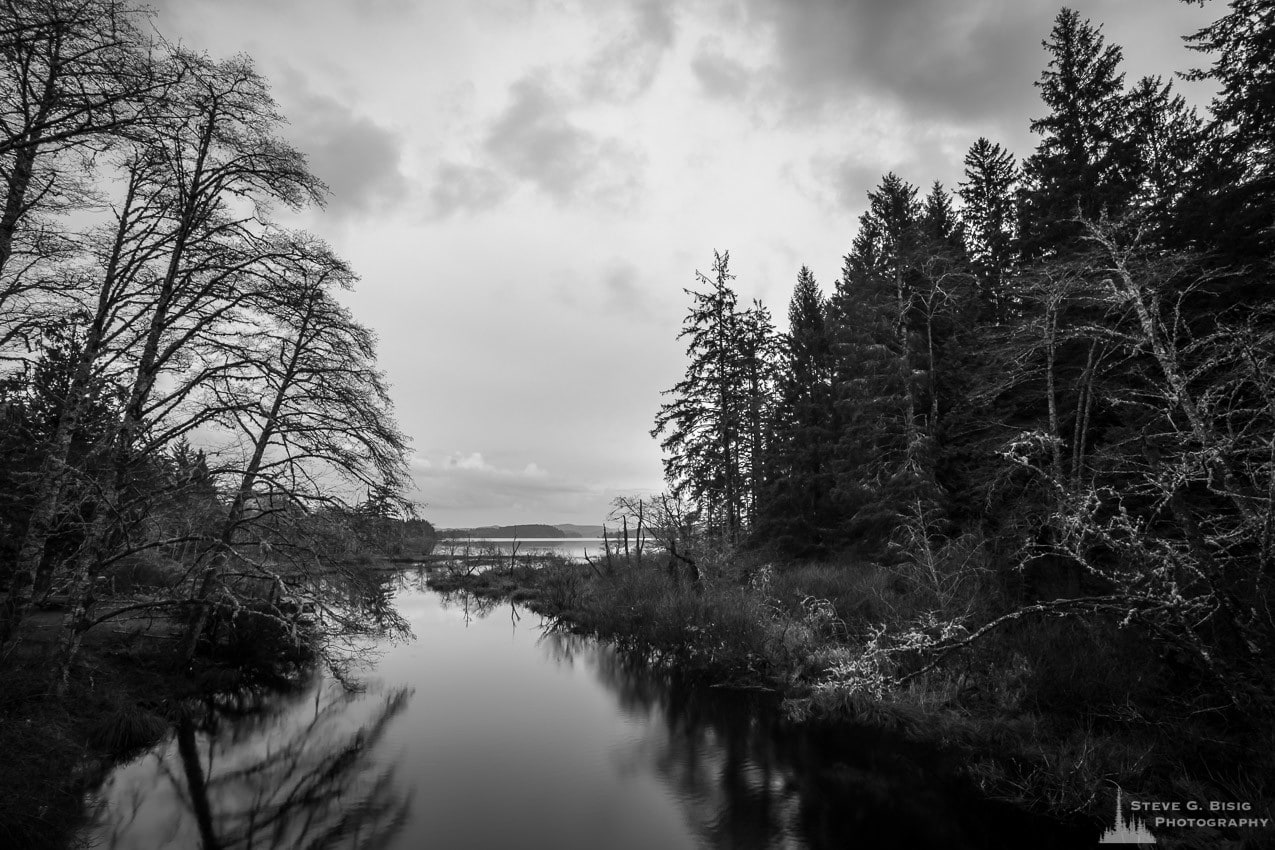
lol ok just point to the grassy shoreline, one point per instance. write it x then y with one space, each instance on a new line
1038 716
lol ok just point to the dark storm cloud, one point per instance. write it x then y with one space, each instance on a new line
355 156
535 140
465 189
943 59
973 61
626 65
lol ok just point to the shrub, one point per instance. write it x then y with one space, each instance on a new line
126 729
253 635
142 573
1084 667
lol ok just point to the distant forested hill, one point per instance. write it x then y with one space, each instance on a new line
507 532
573 530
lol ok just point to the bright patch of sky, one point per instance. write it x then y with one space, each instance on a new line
526 187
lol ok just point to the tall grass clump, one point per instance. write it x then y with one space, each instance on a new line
127 729
744 620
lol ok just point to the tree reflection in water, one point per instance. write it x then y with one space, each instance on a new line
746 780
313 782
479 607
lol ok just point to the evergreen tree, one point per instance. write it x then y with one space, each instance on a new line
1167 138
702 426
758 373
990 215
1082 167
1235 211
943 288
882 448
797 513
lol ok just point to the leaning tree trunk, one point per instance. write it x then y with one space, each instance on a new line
212 573
208 582
148 365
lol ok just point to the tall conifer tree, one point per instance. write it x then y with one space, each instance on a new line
797 513
702 426
990 215
1235 204
880 454
1081 168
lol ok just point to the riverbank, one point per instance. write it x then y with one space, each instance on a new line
1052 715
123 696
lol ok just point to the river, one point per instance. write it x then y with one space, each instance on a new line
486 731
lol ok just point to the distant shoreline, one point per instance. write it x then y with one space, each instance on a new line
598 539
527 531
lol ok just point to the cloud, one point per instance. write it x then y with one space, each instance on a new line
837 182
720 76
468 485
628 63
465 188
842 182
358 158
939 58
625 295
472 461
536 140
475 468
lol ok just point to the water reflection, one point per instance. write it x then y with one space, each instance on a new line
521 736
713 752
746 780
303 778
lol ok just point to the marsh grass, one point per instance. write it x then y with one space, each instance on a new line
127 729
744 622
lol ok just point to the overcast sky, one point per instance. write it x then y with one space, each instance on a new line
526 187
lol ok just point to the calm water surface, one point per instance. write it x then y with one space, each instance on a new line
488 732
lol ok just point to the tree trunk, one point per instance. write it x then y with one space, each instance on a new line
639 530
1084 403
145 373
1051 391
910 440
207 584
18 183
74 624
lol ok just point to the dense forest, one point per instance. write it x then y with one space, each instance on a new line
149 305
1047 395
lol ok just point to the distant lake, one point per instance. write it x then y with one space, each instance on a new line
574 548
